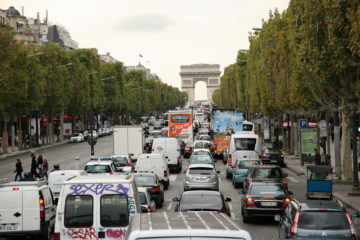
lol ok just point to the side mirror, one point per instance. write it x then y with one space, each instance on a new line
176 199
227 199
290 192
55 201
277 218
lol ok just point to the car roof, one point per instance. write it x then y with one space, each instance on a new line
200 192
103 179
101 162
245 134
24 183
265 184
142 189
201 150
266 166
144 174
317 204
200 165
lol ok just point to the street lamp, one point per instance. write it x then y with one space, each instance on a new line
353 102
92 141
257 29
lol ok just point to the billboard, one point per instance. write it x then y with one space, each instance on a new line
227 122
308 140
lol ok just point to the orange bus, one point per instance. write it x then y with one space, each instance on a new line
181 126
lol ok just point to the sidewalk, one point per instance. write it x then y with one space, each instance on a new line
30 150
340 188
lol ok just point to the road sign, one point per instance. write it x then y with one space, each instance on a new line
322 124
302 123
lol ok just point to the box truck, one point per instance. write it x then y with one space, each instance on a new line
128 140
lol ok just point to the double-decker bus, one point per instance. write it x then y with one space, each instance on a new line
181 126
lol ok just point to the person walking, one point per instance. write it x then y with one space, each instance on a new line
45 168
317 157
18 170
40 164
33 167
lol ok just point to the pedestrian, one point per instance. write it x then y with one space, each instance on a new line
323 158
45 168
18 170
317 157
40 164
56 167
33 171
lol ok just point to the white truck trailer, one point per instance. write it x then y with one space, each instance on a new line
128 140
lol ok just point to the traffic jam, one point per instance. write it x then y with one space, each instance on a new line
192 153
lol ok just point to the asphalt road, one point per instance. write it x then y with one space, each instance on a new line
266 228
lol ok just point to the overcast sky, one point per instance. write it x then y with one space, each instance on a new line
168 33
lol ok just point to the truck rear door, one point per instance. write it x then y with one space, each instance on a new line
31 210
11 214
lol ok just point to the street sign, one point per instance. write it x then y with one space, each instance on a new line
322 124
308 140
302 123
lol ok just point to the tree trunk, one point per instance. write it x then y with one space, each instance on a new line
61 134
345 146
328 150
5 139
20 135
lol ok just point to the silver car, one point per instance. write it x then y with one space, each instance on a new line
201 176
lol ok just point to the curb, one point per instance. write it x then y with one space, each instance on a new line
336 194
28 151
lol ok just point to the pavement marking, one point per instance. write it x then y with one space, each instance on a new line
173 178
292 179
169 207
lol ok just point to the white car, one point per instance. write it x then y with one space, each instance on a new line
77 137
102 167
146 201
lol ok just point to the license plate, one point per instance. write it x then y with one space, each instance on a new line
201 180
268 204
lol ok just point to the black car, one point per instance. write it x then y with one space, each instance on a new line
189 147
264 199
316 219
265 173
202 201
272 156
151 181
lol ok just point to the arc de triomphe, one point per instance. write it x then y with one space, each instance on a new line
191 74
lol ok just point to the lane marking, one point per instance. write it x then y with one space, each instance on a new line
173 178
170 206
294 180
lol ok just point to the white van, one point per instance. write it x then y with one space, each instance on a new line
154 163
57 178
170 147
185 226
94 207
243 145
26 209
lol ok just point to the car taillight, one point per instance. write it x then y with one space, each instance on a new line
284 182
281 156
250 202
229 160
187 149
149 208
165 173
42 208
353 231
286 202
155 189
111 173
293 229
262 156
128 164
56 236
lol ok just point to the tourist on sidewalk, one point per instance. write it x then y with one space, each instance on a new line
33 167
317 157
18 170
45 168
40 164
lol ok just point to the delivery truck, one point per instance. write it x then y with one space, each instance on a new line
128 140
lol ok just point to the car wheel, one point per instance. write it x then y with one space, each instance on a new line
47 232
236 185
246 219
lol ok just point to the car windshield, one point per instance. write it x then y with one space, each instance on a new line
201 158
98 169
272 151
120 160
156 134
201 171
245 144
247 127
267 173
323 220
205 137
189 144
201 153
142 198
180 118
76 135
201 202
199 145
144 180
266 190
247 163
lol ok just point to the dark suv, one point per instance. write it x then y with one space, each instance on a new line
316 219
265 173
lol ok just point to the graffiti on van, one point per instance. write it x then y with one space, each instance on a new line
82 233
131 202
116 233
98 189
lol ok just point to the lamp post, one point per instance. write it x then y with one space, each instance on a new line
92 141
353 101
